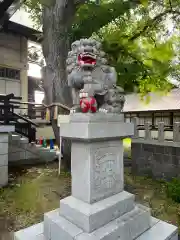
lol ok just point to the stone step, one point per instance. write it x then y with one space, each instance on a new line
34 232
15 137
158 230
90 217
126 227
24 140
21 151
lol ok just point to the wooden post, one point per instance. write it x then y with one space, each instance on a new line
160 131
6 110
147 131
176 132
136 132
60 155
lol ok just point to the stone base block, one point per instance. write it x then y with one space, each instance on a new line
34 232
3 175
96 126
158 230
3 159
57 227
126 227
90 217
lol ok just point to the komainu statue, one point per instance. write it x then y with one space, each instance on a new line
92 81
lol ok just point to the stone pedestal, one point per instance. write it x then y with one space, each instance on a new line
4 145
99 208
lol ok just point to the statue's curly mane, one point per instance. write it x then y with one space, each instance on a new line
81 46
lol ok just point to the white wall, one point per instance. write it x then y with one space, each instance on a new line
13 54
8 86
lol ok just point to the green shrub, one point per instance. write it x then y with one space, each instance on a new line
173 189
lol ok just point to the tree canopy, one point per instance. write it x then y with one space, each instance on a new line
141 38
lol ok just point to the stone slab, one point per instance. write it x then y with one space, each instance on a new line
34 232
127 227
16 156
97 170
3 175
3 147
4 138
24 140
90 217
159 231
57 227
88 127
14 148
14 137
97 117
3 160
39 237
63 119
7 128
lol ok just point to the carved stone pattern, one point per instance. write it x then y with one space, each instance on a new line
105 170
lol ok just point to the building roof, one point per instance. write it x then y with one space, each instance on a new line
22 30
7 9
158 102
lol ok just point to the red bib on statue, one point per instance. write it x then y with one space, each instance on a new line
88 104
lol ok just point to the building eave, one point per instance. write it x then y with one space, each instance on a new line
7 9
30 33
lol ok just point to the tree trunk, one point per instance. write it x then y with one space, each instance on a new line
57 19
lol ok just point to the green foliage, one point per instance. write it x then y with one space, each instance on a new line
34 8
136 49
92 17
173 189
134 36
144 2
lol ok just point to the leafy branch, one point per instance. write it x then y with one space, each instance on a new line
153 23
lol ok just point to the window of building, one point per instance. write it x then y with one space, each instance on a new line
162 117
9 73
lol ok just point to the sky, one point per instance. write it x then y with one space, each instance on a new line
23 17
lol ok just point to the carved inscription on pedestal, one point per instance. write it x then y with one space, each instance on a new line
104 175
106 172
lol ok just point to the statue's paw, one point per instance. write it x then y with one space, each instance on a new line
83 95
75 109
103 110
72 110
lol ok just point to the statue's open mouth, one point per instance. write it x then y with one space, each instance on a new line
87 59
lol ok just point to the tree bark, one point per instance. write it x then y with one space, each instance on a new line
57 19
